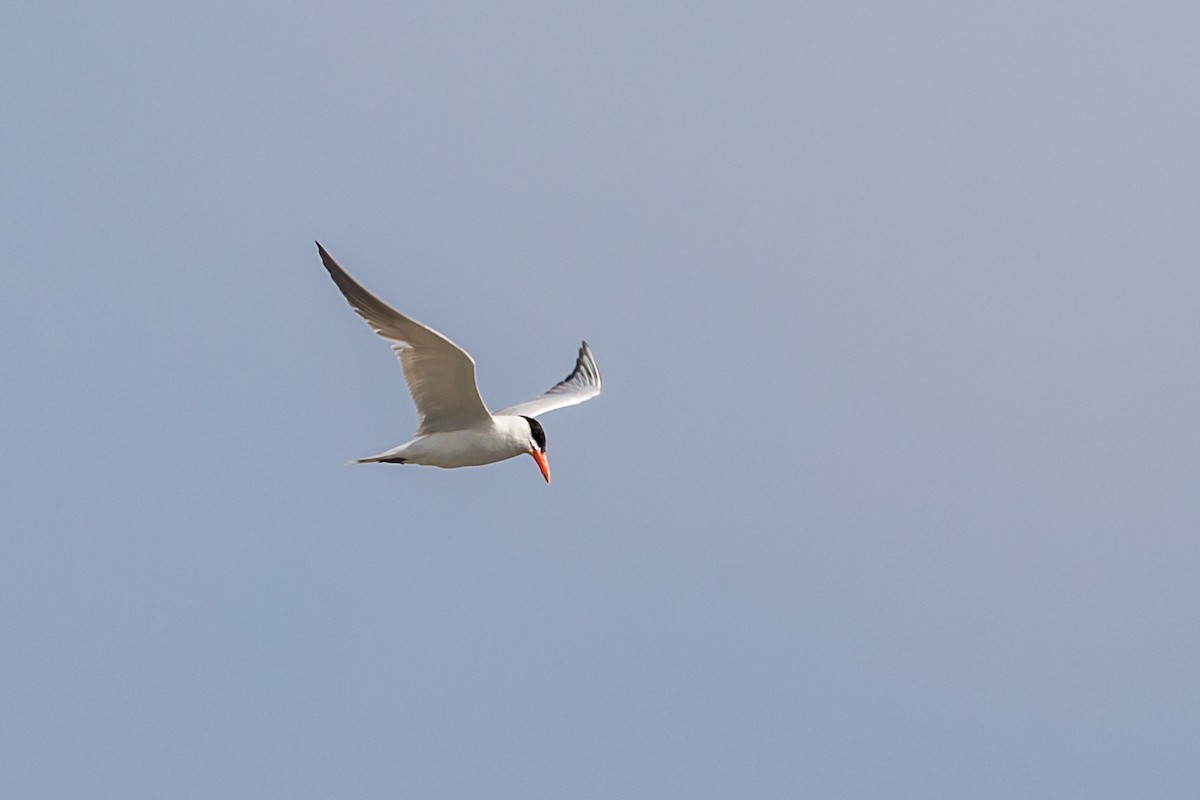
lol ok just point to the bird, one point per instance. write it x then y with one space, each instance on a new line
455 427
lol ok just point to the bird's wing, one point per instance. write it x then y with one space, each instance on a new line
440 374
582 384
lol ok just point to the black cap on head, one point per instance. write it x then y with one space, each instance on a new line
539 435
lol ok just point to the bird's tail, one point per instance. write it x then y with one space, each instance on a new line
382 458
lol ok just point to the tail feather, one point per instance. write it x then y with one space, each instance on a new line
383 458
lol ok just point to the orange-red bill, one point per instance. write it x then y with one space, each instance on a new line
543 464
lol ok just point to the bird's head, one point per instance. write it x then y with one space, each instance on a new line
537 446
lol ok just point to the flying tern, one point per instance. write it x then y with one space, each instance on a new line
455 428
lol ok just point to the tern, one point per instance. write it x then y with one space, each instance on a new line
455 428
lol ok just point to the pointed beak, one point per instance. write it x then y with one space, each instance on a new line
543 464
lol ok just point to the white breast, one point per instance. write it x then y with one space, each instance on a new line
506 438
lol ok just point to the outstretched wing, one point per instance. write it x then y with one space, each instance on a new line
440 374
582 384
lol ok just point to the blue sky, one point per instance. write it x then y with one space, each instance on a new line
891 491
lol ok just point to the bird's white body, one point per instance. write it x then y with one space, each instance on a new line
500 438
455 427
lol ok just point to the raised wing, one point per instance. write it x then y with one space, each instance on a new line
582 384
440 374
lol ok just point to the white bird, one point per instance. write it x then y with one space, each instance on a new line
455 428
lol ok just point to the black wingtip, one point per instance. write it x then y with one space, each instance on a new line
326 259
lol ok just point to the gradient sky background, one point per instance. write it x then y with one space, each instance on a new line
892 491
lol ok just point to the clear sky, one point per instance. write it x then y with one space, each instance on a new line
892 490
